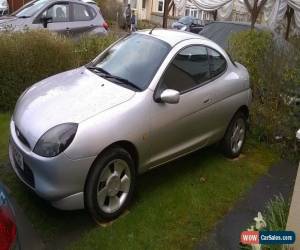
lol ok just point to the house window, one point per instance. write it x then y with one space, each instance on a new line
144 4
192 12
160 6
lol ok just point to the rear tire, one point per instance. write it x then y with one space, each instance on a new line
234 139
110 185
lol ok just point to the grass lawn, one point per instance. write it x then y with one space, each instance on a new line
174 207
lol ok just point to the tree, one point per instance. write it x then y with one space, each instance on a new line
167 7
215 15
289 15
255 9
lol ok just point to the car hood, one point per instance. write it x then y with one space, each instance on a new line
72 96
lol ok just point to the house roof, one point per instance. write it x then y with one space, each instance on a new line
171 37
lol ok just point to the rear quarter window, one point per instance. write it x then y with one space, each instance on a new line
217 63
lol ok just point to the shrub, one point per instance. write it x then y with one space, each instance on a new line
249 48
89 47
27 57
30 56
110 9
274 74
276 214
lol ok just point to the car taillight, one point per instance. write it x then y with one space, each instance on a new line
8 229
105 25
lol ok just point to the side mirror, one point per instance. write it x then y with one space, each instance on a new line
170 96
45 20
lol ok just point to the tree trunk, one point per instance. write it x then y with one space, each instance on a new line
254 10
215 15
166 13
289 15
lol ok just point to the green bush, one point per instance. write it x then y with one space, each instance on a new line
110 9
274 76
30 56
276 213
249 48
27 57
89 47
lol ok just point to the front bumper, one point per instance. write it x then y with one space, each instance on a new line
59 180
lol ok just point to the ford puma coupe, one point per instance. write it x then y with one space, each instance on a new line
79 139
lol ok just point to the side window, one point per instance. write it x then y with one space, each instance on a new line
189 69
82 13
58 13
217 63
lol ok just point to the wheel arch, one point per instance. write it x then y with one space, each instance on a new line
244 109
127 145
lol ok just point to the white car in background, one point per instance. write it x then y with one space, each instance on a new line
3 7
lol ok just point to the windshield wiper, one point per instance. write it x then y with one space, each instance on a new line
22 16
122 81
105 74
99 69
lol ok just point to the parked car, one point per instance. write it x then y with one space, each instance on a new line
16 231
70 17
189 23
3 7
80 138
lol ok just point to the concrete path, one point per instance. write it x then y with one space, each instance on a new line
226 235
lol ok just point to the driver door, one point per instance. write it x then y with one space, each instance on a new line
177 129
59 16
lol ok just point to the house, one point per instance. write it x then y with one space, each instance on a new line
152 10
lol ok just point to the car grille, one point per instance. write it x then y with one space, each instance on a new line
22 137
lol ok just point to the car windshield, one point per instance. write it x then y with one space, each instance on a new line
134 59
30 9
186 20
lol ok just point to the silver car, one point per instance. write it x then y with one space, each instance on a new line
80 138
70 17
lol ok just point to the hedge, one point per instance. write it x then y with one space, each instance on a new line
275 75
30 56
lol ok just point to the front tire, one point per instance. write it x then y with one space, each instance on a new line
110 185
235 136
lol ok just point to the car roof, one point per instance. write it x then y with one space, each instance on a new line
171 37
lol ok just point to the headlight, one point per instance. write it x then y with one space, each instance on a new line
56 140
183 28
